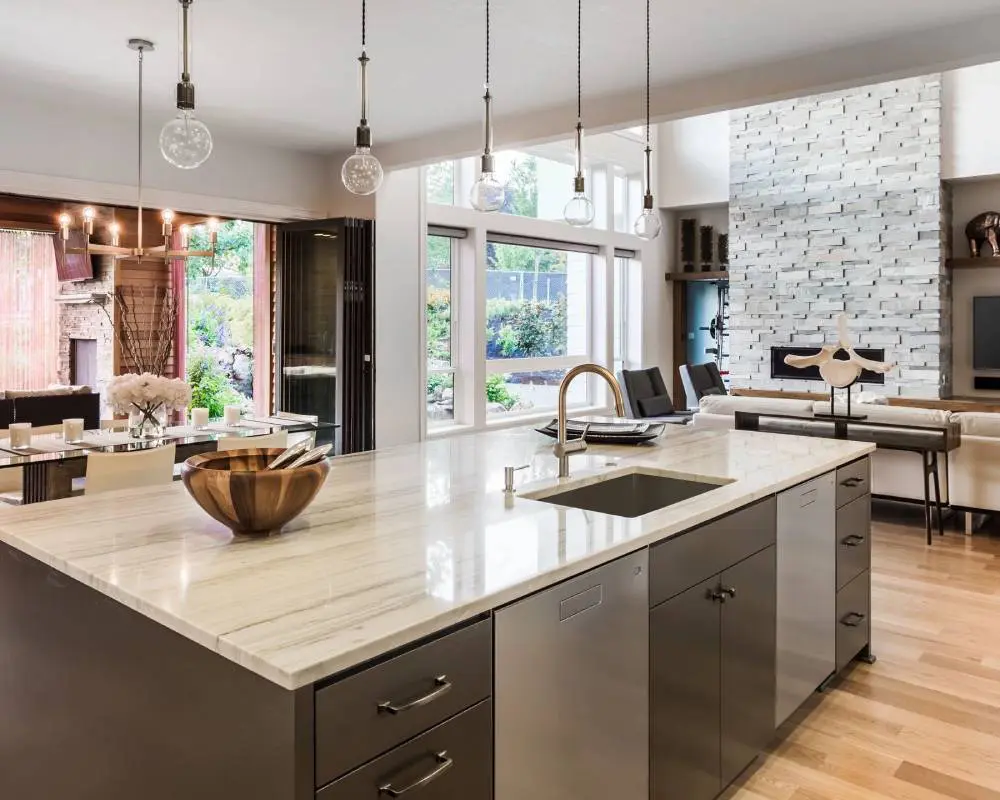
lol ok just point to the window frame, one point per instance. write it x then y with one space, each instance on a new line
454 236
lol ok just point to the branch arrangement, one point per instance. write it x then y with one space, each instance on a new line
147 321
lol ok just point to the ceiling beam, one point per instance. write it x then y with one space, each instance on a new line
909 54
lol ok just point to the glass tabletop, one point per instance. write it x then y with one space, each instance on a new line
52 447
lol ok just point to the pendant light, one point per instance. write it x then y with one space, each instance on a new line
488 193
362 172
185 141
579 210
647 226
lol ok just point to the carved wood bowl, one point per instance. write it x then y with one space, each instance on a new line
234 487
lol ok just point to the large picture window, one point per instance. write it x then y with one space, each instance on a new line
537 325
440 330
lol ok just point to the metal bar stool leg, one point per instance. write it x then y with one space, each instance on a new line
925 458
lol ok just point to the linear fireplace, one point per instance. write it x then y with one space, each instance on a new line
781 371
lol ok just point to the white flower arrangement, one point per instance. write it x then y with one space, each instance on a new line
147 393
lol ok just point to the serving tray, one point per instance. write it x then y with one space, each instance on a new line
608 432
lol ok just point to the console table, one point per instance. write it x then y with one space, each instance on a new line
929 441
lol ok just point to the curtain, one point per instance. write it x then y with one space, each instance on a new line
29 316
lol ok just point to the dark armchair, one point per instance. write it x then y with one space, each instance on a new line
701 380
646 396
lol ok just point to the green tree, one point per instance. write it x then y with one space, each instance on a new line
522 188
441 183
233 250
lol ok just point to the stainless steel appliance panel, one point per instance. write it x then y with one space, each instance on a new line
571 690
807 592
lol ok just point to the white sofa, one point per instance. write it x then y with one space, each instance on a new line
894 473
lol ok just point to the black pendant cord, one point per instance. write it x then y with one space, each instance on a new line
579 61
487 45
648 79
364 24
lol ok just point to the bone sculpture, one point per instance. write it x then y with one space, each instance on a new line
838 373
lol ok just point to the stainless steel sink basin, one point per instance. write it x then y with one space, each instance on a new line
631 495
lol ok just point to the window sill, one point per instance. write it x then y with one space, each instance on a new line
528 419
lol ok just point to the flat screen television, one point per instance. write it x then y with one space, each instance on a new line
72 266
986 332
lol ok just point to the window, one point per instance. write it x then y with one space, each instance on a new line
621 316
220 345
440 330
537 325
537 187
441 183
621 202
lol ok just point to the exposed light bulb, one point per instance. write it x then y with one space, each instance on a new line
362 173
89 214
648 225
186 141
579 211
168 215
65 220
115 230
185 231
488 193
213 224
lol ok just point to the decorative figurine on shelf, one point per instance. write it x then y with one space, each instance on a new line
723 251
707 247
839 373
984 229
688 230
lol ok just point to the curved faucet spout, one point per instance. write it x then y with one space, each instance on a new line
563 448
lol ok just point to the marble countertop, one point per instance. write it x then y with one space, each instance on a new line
400 543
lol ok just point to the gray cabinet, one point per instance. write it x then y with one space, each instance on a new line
807 591
571 688
712 660
854 557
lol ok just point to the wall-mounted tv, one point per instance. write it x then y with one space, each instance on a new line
986 332
73 266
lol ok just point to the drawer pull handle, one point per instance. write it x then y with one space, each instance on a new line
441 686
852 482
853 619
443 765
854 540
722 594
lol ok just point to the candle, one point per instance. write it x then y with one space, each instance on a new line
232 415
20 435
72 430
199 417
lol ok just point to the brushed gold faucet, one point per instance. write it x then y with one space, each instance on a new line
563 448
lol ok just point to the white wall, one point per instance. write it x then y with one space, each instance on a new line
399 352
970 116
71 153
693 161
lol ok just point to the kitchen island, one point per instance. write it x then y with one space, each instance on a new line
381 641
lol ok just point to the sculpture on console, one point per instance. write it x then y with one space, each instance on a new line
982 230
839 373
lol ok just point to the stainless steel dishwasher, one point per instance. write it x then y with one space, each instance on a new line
571 693
807 592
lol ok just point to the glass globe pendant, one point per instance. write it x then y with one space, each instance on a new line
185 141
579 211
362 173
488 193
648 224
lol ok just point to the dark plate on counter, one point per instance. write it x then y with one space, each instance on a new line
608 432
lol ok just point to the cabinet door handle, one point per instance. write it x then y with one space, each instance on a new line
722 594
729 591
443 765
441 686
853 619
852 482
854 540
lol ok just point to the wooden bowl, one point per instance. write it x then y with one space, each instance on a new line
234 487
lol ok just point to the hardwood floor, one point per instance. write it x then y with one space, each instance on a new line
923 723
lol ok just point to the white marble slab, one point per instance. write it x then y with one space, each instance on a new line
400 543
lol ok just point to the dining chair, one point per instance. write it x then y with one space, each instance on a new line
108 472
265 441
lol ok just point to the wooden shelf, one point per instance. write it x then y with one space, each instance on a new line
972 263
720 275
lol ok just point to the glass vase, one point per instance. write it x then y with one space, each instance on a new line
149 422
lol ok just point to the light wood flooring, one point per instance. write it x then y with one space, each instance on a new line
923 723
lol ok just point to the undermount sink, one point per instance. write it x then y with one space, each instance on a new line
630 495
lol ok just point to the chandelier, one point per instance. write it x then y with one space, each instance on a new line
161 252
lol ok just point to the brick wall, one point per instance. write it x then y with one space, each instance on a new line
836 205
88 321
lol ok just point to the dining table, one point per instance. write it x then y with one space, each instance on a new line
50 464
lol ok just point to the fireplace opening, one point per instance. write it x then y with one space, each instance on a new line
782 371
83 362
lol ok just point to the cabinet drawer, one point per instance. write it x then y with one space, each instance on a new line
853 619
854 541
853 481
452 760
690 558
373 711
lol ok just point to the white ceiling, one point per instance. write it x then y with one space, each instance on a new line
285 70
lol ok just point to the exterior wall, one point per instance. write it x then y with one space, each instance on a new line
836 205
